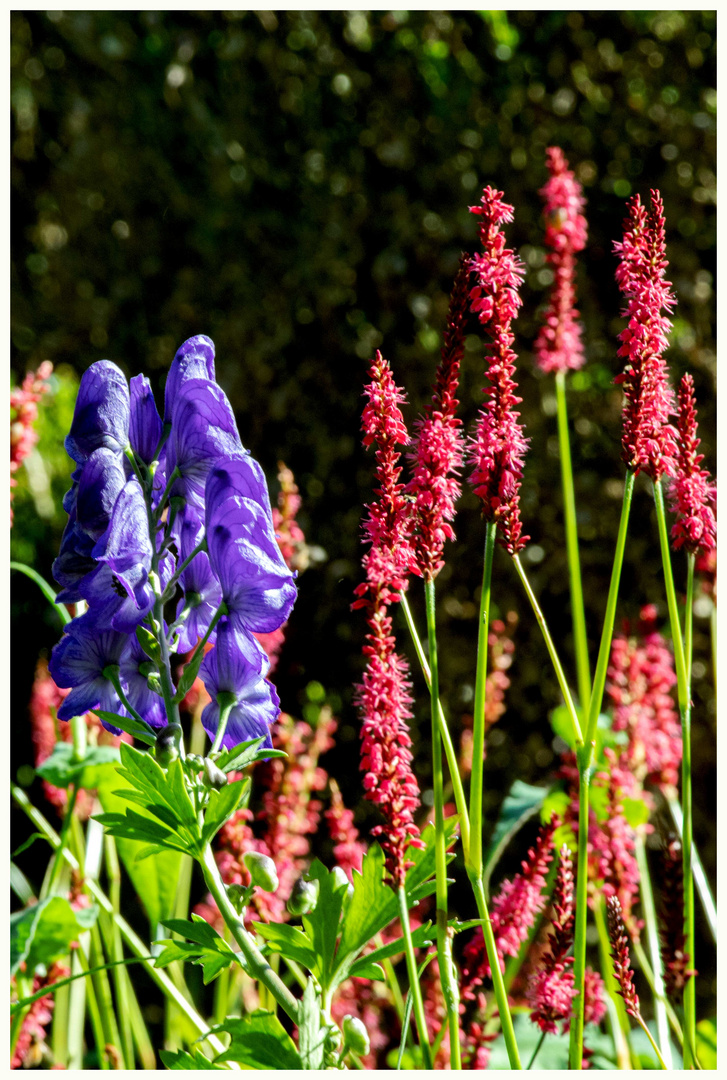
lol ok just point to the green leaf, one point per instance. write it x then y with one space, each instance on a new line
48 592
186 679
144 774
239 757
421 937
132 826
31 840
322 924
636 811
707 1043
156 882
62 768
311 1037
521 802
204 946
222 805
197 929
148 642
289 941
141 731
180 1059
259 1041
43 933
562 725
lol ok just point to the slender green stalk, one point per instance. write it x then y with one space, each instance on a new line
457 788
640 1021
685 708
256 963
102 985
648 973
59 1036
393 984
444 945
536 1051
580 638
51 880
689 622
473 860
700 878
555 660
652 936
225 711
503 1005
144 1048
584 758
94 1013
414 986
116 948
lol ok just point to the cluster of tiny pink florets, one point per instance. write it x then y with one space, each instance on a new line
499 446
648 440
23 414
693 497
558 346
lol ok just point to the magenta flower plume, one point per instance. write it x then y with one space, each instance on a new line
622 972
499 446
551 990
558 346
671 911
648 439
439 450
383 696
512 912
693 497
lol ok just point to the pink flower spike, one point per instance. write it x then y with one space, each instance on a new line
648 439
439 449
498 447
693 497
558 346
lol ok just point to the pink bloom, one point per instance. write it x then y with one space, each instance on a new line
438 451
639 683
476 1049
550 989
648 440
30 1047
558 346
693 497
498 447
23 414
622 972
348 851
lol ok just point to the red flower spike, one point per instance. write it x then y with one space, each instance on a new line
648 439
550 989
671 910
693 497
622 972
23 414
558 346
438 451
499 445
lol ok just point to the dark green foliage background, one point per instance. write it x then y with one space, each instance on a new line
295 185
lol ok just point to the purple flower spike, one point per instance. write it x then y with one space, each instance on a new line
145 425
201 590
101 481
238 474
78 661
148 704
257 586
101 417
256 706
203 430
195 359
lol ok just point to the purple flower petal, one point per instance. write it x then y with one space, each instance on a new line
195 359
101 417
74 561
203 430
78 661
238 474
102 479
145 425
126 541
257 706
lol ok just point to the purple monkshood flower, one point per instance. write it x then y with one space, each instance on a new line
145 425
78 661
257 586
237 474
101 416
203 430
149 705
226 669
195 359
202 590
74 561
102 478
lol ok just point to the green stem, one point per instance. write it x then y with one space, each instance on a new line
689 622
536 1051
700 877
555 660
457 788
641 1023
685 708
222 726
580 638
444 944
51 881
121 984
503 1005
172 583
652 936
473 860
94 1013
414 986
111 672
102 985
649 976
257 965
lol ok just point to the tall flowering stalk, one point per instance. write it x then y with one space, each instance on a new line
24 400
622 971
559 349
384 697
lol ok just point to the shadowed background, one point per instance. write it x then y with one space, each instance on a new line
295 185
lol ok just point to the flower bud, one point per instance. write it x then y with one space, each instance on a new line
339 877
238 896
214 777
166 749
304 897
262 871
356 1035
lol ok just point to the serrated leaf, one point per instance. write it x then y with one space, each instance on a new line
367 969
521 802
239 757
311 1037
422 936
259 1041
43 933
132 826
141 731
204 946
180 1059
289 941
196 929
221 806
322 924
61 768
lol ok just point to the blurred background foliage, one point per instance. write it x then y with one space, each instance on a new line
295 184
